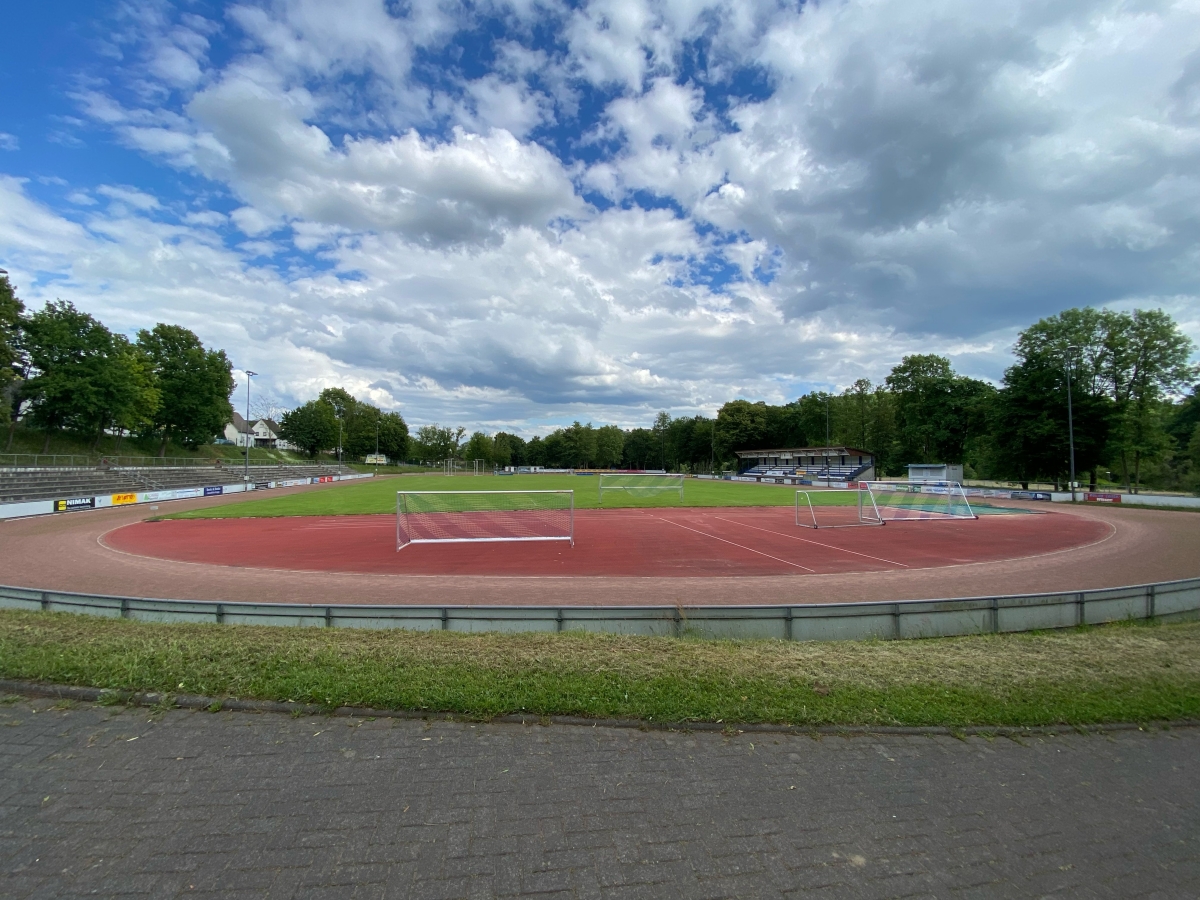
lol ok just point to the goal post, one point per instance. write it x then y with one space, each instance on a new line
641 484
914 501
454 517
819 515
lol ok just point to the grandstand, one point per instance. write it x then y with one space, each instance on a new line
807 464
24 484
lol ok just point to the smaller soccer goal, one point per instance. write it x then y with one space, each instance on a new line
455 517
913 501
861 511
641 485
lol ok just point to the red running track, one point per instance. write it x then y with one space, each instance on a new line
661 542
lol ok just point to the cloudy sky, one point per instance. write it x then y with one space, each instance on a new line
515 215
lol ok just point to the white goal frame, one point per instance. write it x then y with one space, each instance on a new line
806 513
668 483
950 492
411 528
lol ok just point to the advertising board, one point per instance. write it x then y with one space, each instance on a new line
74 503
213 490
1096 497
124 499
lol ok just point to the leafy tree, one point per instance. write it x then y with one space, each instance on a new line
936 409
312 427
1150 361
435 443
194 386
12 358
509 449
610 444
479 446
641 446
84 377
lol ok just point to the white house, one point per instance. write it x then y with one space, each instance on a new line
263 433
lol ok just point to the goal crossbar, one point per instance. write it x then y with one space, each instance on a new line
456 517
641 484
914 501
863 512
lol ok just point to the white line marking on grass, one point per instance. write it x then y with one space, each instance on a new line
742 546
809 541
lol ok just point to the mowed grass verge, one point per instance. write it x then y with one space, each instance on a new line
1138 673
378 495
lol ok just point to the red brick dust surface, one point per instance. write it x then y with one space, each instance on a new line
695 542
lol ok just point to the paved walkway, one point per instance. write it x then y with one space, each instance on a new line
112 802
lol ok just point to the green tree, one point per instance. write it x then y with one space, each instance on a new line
936 409
1150 362
435 443
84 378
479 446
641 447
312 427
610 445
11 356
509 449
194 385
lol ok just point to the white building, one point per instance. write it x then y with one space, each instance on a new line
262 433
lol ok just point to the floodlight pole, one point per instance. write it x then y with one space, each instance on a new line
1071 419
377 443
246 470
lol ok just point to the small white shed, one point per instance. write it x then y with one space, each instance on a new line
935 472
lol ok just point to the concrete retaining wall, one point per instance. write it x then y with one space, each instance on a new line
106 501
832 621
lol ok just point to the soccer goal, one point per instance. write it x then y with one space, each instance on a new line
842 515
913 501
641 484
445 517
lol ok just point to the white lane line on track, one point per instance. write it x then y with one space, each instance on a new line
742 546
817 543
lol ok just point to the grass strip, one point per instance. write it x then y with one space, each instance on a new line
1119 673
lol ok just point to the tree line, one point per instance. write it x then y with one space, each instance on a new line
1136 414
1135 405
63 370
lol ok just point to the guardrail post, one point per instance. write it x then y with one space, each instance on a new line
896 618
124 607
45 601
445 619
220 614
1150 602
329 617
678 621
995 615
559 618
788 623
1080 616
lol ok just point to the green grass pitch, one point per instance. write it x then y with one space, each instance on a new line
378 495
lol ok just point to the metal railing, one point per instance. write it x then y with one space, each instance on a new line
1171 600
85 461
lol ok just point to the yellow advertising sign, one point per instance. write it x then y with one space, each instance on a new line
123 499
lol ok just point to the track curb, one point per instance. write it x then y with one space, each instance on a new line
227 704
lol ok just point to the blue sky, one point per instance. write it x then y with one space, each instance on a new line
516 215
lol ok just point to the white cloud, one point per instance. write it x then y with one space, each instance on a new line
9 141
129 196
884 183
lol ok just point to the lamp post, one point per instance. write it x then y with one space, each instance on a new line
377 443
1071 348
246 470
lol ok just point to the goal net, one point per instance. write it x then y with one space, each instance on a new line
911 501
814 511
435 517
641 485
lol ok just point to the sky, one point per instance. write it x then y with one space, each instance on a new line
516 215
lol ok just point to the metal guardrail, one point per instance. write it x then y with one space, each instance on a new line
827 621
85 461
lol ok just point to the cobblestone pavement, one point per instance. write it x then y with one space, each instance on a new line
114 802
